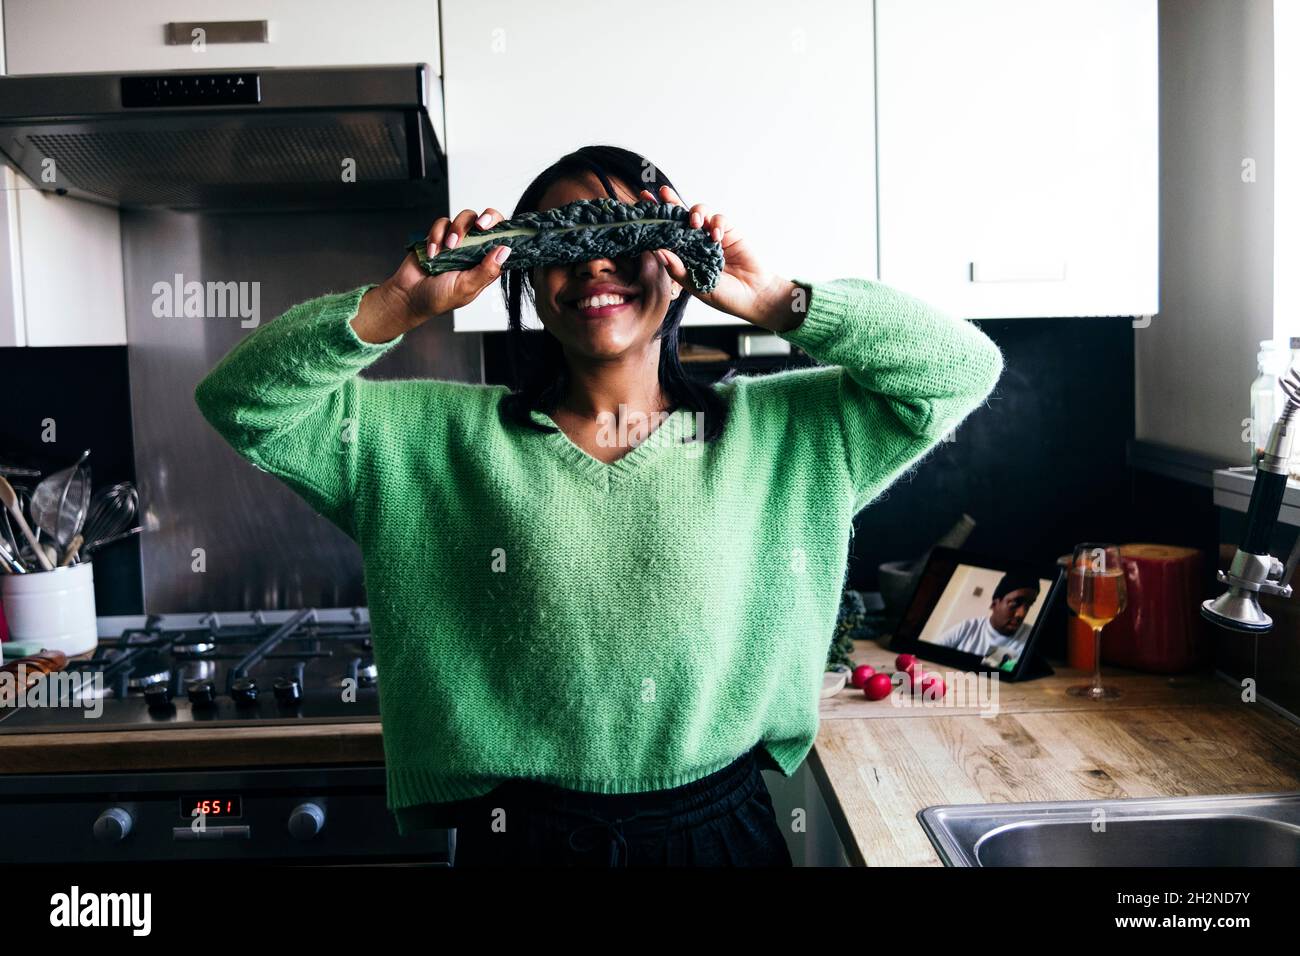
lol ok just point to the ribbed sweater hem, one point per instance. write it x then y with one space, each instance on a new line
414 795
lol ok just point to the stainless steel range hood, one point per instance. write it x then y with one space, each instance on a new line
273 138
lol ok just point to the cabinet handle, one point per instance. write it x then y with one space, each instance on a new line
218 31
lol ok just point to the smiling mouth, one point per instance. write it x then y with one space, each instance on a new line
600 306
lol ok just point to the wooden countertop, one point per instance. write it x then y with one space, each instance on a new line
879 763
207 748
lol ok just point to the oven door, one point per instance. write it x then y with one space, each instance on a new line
301 815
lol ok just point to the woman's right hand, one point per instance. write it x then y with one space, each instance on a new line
410 296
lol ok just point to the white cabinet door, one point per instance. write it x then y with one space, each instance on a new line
60 265
13 329
61 273
763 110
71 270
1018 155
87 36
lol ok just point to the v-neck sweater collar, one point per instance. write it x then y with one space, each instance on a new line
674 429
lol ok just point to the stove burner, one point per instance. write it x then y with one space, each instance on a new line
237 668
142 681
196 649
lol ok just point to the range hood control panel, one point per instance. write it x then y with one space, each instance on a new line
187 89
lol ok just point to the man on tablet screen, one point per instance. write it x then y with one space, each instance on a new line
998 637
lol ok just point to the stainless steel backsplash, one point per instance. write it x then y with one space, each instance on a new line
261 545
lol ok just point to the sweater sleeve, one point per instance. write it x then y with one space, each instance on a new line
288 399
902 376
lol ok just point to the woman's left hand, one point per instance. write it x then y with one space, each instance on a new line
745 289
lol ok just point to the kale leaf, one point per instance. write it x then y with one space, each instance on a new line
586 229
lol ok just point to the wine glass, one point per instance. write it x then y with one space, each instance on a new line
1097 595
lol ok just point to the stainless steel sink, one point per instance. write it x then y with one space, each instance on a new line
1258 829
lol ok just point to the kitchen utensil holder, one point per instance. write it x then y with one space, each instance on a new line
53 608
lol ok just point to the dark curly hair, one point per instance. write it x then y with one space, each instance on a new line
1014 581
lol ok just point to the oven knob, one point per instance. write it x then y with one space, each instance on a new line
158 696
244 690
202 693
288 690
113 825
306 820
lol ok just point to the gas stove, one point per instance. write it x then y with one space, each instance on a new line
217 669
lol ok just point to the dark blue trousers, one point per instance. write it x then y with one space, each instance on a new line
724 819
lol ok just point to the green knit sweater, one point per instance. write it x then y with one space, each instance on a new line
603 627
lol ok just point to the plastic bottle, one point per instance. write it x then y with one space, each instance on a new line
1265 393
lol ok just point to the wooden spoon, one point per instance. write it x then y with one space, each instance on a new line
73 547
9 499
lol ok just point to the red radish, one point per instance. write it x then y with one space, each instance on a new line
932 687
860 675
905 662
877 687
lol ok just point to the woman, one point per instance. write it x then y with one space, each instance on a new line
602 602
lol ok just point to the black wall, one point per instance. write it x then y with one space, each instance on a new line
86 391
1041 467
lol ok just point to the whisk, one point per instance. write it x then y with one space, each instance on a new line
112 510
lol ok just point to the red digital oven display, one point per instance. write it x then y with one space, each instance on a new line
213 807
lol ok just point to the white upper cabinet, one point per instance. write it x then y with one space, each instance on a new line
13 324
762 110
1018 156
89 36
60 269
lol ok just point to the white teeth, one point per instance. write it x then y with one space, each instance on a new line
596 301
